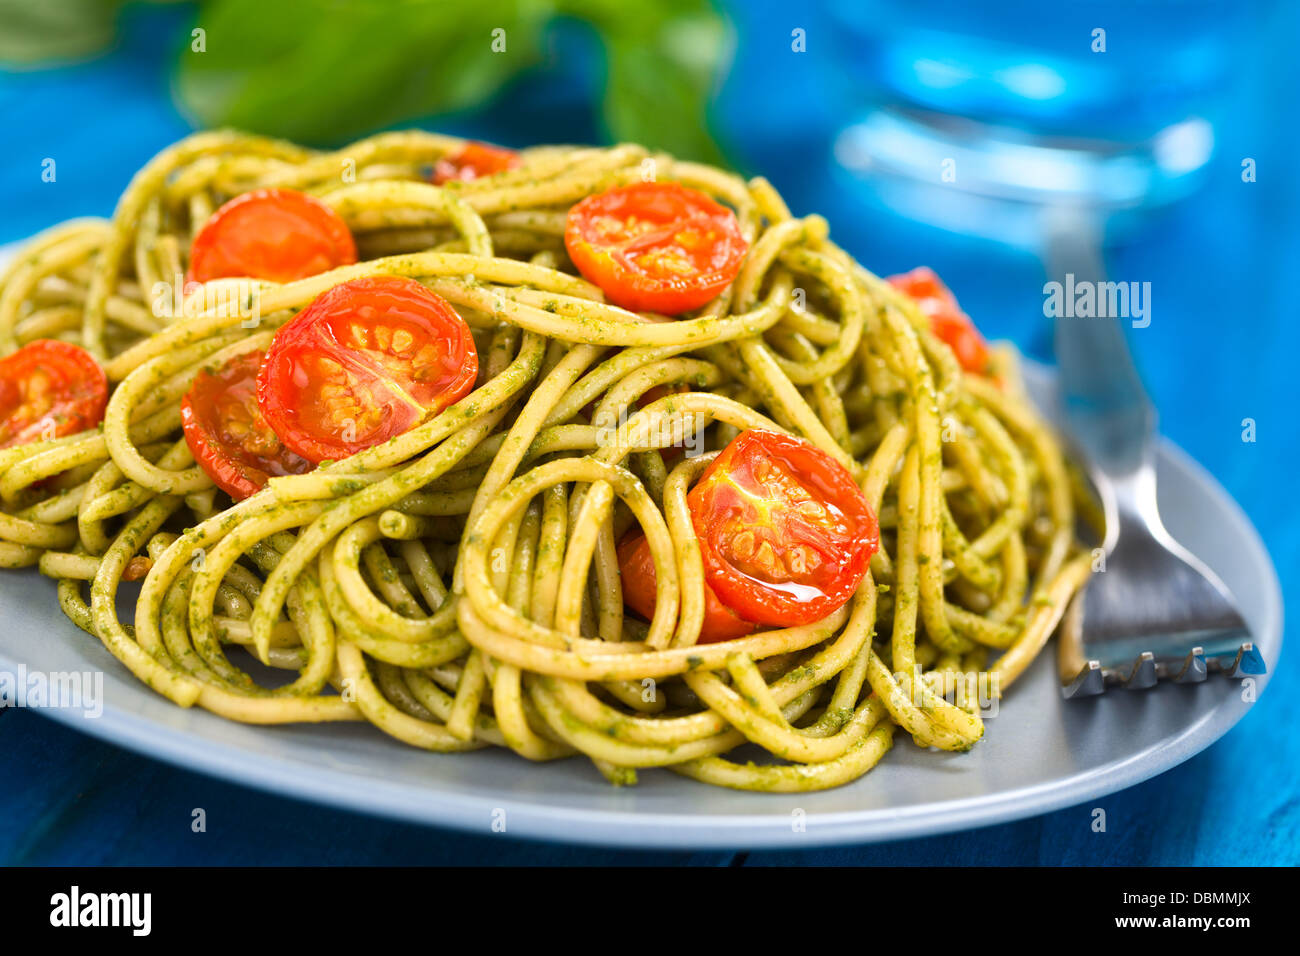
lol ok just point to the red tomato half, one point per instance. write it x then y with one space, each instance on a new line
227 434
947 320
48 389
785 531
365 361
275 234
637 569
475 160
656 247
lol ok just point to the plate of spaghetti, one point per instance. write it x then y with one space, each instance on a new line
579 493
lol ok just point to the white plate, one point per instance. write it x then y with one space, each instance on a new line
1040 753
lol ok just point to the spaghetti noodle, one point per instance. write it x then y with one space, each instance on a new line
458 584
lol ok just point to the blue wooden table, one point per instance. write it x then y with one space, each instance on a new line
1223 270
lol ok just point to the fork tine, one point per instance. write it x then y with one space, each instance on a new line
1143 674
1247 663
1194 669
1090 682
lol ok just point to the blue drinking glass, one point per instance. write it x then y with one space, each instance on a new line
974 116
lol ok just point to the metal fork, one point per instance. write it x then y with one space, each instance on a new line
1156 611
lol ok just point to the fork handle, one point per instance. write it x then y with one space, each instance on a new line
1105 403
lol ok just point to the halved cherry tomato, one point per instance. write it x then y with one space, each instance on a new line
785 531
637 569
49 388
656 247
365 361
275 234
227 433
947 320
475 160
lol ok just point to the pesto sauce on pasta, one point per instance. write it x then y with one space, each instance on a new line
457 586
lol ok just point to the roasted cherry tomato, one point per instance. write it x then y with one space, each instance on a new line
475 160
227 433
637 569
785 531
275 234
48 389
365 361
656 247
947 320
